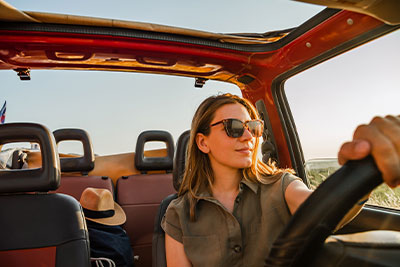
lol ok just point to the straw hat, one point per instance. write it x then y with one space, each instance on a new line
99 206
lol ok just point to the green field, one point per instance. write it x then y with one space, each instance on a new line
382 196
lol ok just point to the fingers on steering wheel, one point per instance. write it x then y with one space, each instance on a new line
384 136
354 150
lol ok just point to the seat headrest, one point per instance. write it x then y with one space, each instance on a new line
27 180
78 164
143 163
180 159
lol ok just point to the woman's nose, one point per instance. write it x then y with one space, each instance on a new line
246 134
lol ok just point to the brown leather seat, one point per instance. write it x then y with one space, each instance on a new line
140 195
38 228
74 185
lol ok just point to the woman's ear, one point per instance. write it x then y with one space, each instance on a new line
201 141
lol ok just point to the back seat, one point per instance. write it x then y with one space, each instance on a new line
74 178
140 195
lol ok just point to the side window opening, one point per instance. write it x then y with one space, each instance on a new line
328 101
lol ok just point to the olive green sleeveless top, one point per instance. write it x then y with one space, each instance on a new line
241 238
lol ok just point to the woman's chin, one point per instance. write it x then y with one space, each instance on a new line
245 164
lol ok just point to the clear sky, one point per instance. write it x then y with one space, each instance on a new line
331 99
112 110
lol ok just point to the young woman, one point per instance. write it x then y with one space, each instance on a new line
231 205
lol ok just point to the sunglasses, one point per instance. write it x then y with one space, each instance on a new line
235 128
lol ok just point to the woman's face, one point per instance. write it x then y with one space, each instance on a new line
225 151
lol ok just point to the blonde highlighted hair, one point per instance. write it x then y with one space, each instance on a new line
198 171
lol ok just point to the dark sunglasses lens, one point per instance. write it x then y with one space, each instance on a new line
255 127
234 128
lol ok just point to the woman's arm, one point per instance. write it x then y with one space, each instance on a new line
175 254
297 192
381 139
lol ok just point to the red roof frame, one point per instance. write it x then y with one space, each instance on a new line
40 50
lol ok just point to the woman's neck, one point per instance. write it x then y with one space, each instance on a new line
226 186
226 179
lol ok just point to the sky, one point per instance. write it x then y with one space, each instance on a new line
330 100
112 110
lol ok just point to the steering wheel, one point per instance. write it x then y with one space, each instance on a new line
318 216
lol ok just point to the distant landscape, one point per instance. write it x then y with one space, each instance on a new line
318 170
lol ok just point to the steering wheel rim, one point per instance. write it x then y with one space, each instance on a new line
318 216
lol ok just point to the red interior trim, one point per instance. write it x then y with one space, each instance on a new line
36 257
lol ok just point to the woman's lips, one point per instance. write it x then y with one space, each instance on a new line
245 150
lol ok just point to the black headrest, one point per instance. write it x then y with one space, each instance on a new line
180 159
143 163
78 164
27 180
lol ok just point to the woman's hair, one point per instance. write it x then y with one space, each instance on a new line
198 171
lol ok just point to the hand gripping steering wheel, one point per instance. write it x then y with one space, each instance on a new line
318 216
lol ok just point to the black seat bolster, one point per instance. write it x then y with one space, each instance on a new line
180 159
76 252
158 245
48 214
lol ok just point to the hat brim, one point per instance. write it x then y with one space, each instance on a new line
118 218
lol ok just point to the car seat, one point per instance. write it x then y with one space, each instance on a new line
74 177
38 228
158 246
140 194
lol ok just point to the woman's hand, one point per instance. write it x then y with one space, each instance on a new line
381 139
